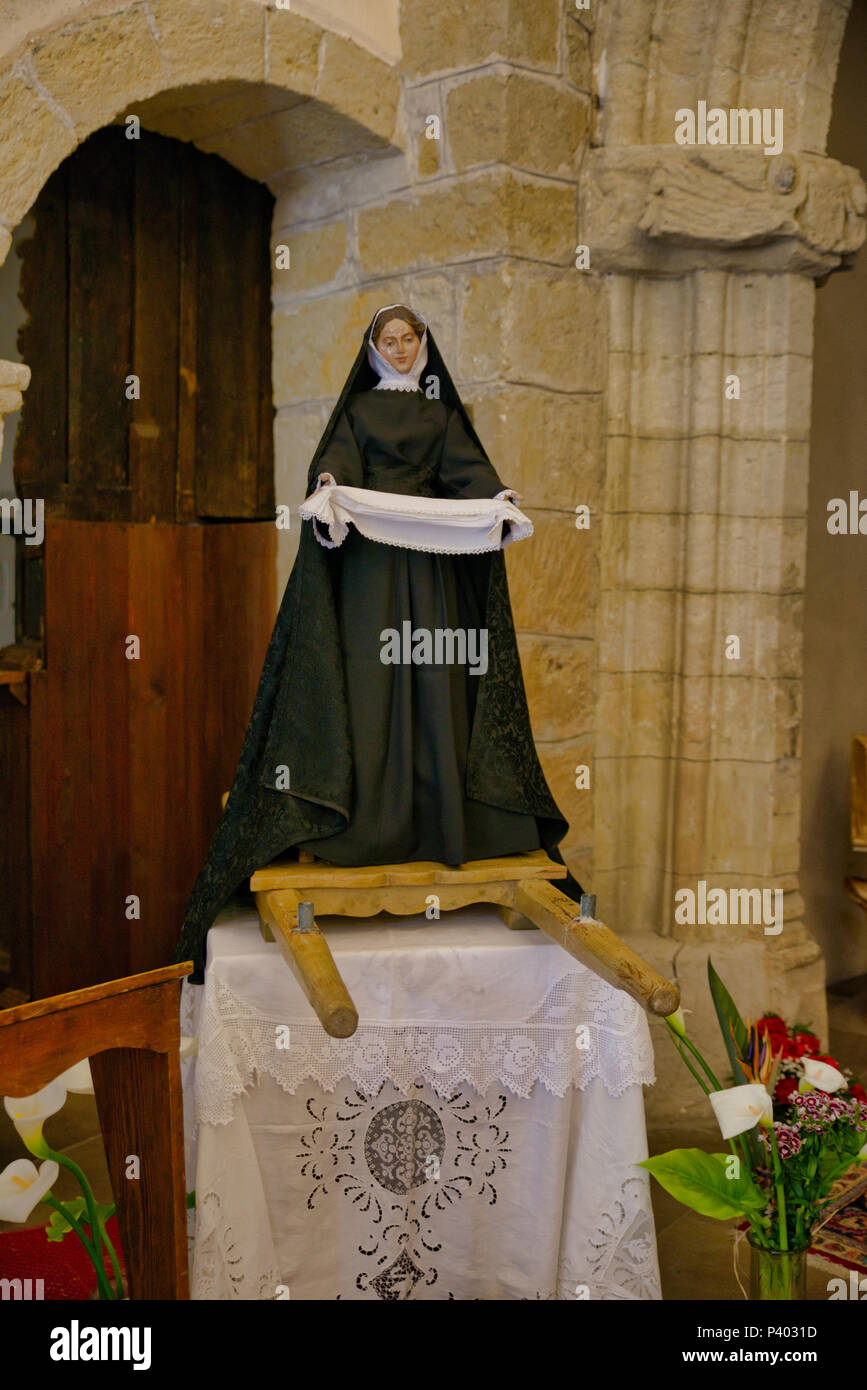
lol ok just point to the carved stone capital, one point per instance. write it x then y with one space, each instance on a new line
666 210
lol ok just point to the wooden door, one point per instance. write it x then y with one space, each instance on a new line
147 431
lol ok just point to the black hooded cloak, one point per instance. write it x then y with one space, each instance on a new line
384 763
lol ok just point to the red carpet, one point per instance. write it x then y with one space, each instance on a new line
64 1267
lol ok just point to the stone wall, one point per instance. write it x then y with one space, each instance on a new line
476 229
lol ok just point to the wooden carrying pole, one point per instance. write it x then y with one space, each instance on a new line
595 945
309 957
519 885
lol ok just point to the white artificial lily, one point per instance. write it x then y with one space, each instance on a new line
740 1108
29 1113
77 1079
22 1186
189 1047
677 1022
821 1075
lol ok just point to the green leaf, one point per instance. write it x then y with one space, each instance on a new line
699 1181
727 1014
58 1226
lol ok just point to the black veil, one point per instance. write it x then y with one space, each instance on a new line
300 718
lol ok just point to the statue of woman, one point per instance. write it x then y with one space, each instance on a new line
390 724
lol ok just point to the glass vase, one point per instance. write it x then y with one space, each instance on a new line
777 1274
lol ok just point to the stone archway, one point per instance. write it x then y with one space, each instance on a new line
712 254
268 90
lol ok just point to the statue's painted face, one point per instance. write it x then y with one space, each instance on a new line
399 344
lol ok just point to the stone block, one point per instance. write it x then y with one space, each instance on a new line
647 475
433 296
451 36
542 221
638 631
482 215
203 40
99 67
641 551
482 324
631 800
441 225
558 675
553 578
428 157
293 51
316 256
635 714
559 763
357 84
35 140
548 446
579 67
197 113
556 329
308 133
315 342
516 119
297 432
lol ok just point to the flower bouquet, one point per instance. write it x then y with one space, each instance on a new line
794 1121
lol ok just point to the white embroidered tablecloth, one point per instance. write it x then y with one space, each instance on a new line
475 1139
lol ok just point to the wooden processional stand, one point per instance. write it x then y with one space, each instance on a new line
522 886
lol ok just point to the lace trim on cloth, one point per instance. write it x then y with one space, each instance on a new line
611 1041
444 526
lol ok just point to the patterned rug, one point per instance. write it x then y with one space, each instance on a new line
49 1270
843 1237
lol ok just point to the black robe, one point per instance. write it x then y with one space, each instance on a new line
384 762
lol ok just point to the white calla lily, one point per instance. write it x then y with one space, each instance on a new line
823 1076
29 1113
22 1187
677 1022
740 1108
77 1079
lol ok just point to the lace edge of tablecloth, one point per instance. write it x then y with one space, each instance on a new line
610 1040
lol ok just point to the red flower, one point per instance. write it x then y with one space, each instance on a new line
831 1061
858 1091
785 1089
810 1043
772 1023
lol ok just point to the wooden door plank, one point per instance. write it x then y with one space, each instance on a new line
229 335
100 308
41 437
187 337
79 756
156 250
15 867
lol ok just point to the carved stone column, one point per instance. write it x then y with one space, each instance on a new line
711 257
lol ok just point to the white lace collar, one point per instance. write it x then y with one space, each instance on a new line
390 379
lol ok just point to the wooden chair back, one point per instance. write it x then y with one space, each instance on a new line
130 1030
